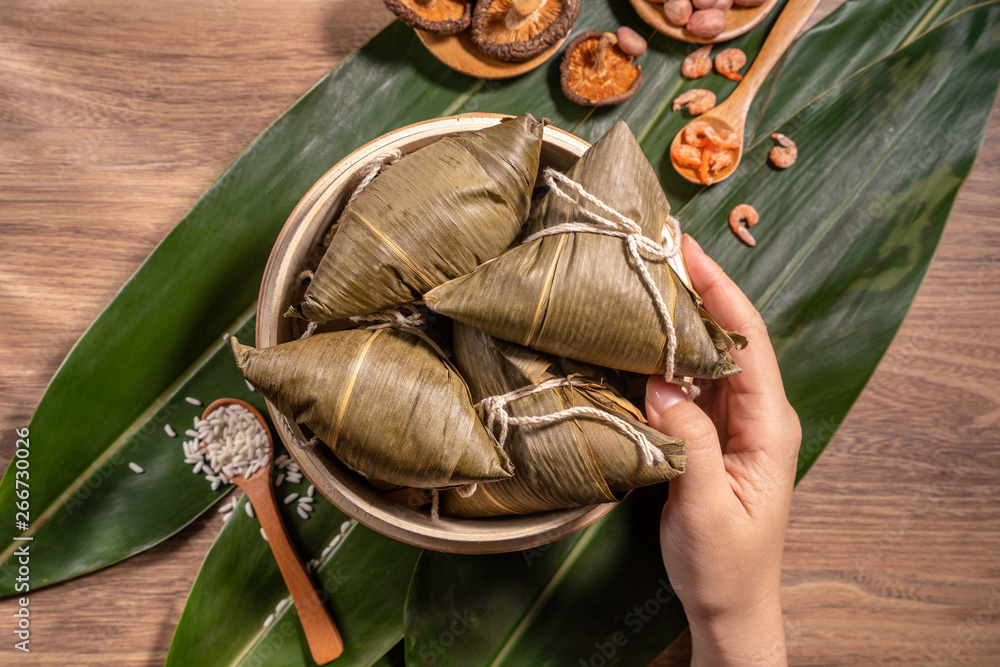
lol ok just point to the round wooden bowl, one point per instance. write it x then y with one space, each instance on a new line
297 248
460 53
738 21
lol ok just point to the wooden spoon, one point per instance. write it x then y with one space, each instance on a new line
324 640
732 114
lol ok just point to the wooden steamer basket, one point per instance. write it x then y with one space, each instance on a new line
296 250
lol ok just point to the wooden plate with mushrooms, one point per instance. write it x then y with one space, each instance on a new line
711 26
496 39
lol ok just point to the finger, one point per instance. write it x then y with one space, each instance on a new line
732 309
670 411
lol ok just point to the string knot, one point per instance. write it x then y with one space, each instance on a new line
493 411
613 223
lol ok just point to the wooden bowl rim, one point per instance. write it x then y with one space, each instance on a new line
739 20
331 478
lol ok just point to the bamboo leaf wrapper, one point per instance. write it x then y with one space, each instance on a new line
437 214
573 462
579 294
383 401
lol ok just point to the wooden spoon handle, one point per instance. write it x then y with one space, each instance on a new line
324 640
793 17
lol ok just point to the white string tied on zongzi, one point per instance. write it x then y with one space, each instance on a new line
396 318
301 444
372 169
493 409
628 230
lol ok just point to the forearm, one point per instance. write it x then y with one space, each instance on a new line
747 637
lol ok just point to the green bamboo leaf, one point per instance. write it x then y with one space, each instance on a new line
159 341
363 580
846 237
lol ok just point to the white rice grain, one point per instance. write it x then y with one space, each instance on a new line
306 500
136 468
290 497
249 386
311 491
192 400
263 534
237 442
249 509
281 605
269 620
169 430
302 513
191 433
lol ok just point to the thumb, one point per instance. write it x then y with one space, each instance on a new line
671 412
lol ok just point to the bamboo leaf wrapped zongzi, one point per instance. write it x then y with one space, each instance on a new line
581 293
434 215
572 461
383 401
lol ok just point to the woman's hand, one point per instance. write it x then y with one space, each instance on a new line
723 528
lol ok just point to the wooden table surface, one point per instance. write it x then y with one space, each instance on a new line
115 117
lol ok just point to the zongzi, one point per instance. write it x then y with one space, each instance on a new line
383 401
573 459
434 215
596 292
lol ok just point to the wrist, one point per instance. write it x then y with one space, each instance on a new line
751 636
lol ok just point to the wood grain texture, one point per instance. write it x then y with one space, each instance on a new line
115 116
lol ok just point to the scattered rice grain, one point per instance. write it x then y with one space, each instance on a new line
250 386
169 430
290 497
269 620
302 513
281 605
191 433
311 491
263 534
249 509
136 468
192 400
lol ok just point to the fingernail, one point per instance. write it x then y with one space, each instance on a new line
661 394
691 239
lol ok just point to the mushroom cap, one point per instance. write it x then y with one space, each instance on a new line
498 33
444 17
583 85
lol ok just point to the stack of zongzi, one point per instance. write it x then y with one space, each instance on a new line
550 433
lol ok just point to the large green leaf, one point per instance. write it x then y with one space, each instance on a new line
846 238
159 341
363 580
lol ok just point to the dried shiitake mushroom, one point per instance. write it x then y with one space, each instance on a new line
444 17
595 72
517 30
